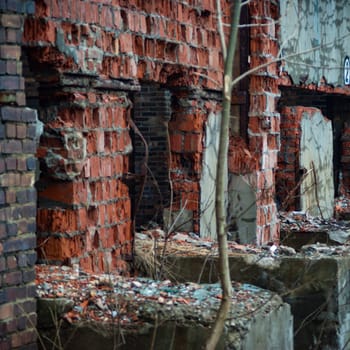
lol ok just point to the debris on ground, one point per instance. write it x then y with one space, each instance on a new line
302 222
133 302
130 302
149 251
334 230
342 208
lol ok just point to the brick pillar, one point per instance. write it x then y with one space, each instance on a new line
264 121
187 131
84 207
186 140
17 195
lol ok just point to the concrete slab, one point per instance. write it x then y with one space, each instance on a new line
314 283
140 313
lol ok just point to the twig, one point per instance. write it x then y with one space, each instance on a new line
293 190
143 167
316 188
245 3
203 266
33 325
221 30
173 337
169 175
154 335
143 176
252 25
167 237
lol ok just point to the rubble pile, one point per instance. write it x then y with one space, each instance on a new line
334 231
131 302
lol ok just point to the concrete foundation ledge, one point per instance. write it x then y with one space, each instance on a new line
314 282
82 311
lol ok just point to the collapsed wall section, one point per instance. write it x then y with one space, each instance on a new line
89 46
341 123
174 121
85 59
305 175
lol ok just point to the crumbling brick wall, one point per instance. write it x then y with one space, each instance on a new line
86 61
187 132
333 102
341 127
344 185
18 142
84 208
305 163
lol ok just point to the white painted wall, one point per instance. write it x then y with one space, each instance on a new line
317 148
208 177
307 24
240 199
241 209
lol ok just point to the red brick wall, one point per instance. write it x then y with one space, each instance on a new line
290 173
333 102
264 121
85 60
84 209
18 144
187 130
151 40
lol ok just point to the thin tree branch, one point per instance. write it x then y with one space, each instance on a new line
258 24
221 30
312 65
245 3
207 77
316 188
221 173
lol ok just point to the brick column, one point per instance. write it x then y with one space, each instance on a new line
17 195
187 132
84 207
264 121
186 140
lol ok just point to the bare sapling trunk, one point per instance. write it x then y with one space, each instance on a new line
221 227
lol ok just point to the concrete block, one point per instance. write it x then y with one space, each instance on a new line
315 286
258 319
